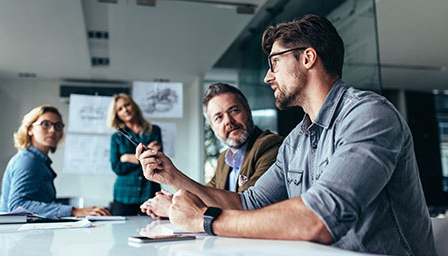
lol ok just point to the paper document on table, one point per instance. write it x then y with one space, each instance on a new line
96 218
85 223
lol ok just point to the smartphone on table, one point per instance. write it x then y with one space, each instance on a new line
163 238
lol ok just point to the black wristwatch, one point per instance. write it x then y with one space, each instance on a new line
209 216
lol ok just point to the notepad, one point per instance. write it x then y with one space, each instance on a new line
19 215
12 218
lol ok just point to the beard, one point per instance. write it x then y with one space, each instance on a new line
283 101
238 142
292 97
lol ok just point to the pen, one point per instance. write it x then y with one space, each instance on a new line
129 137
132 140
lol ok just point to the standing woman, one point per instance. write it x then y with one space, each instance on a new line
28 178
131 188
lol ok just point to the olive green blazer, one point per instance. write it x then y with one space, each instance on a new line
261 153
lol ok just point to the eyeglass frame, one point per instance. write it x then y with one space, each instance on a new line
280 53
51 124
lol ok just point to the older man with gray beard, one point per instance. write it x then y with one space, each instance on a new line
251 151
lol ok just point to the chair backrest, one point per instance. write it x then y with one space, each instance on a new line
440 229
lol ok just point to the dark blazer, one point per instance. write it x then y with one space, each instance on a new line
261 153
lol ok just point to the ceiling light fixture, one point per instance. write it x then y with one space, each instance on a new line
241 8
147 2
108 1
27 75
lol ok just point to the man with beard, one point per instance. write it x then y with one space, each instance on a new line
251 151
345 176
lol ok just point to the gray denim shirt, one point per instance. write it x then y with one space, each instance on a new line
355 168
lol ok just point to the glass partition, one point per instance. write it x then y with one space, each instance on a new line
355 20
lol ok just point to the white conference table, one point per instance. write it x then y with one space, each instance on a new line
111 238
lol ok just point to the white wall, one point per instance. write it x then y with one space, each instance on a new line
18 97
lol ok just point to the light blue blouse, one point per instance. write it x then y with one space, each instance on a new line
28 182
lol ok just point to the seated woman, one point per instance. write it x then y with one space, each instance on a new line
28 178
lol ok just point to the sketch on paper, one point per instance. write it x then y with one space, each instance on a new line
155 99
159 100
90 154
88 114
87 154
168 137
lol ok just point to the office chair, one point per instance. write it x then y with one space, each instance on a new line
440 229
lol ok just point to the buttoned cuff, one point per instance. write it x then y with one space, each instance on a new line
65 211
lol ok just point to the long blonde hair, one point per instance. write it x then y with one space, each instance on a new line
114 121
21 138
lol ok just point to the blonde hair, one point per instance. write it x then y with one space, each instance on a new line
114 121
21 138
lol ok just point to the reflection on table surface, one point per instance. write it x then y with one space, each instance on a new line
111 238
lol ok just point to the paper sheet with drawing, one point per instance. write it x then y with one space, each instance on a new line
168 137
87 154
88 114
159 100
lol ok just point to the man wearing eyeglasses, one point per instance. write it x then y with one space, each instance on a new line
345 176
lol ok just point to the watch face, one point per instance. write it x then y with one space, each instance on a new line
212 212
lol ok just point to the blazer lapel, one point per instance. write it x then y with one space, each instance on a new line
221 181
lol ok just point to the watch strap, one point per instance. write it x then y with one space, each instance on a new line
209 216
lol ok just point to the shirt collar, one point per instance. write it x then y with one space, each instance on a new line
234 160
39 154
328 108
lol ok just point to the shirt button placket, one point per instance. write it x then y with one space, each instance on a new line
313 142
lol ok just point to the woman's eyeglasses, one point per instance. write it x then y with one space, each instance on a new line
46 124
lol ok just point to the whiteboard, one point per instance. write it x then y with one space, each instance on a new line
159 100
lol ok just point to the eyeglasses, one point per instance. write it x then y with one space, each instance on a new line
273 66
46 124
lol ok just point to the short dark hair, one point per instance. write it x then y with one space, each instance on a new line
222 88
311 30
